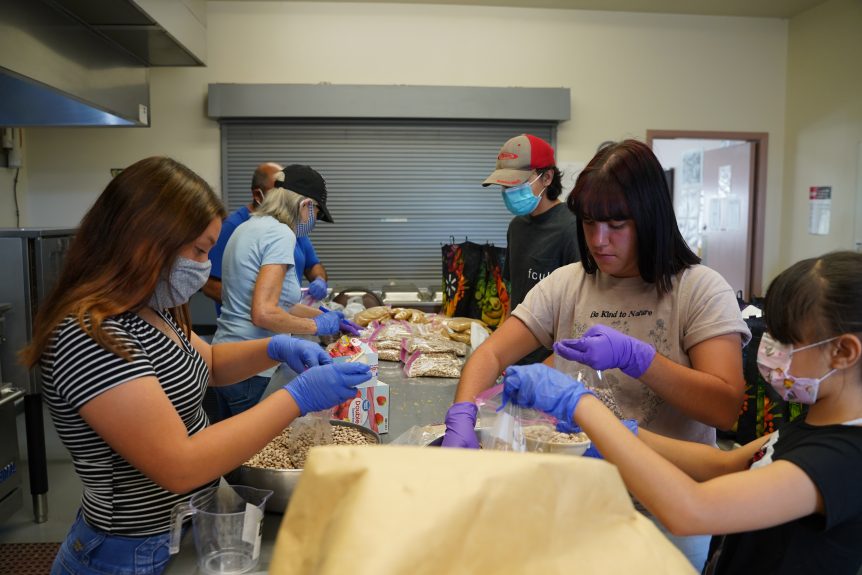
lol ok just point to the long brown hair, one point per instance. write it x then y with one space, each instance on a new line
126 242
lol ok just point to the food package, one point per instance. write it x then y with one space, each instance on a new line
352 349
395 331
462 324
393 354
465 511
421 364
369 408
434 344
462 337
402 314
377 313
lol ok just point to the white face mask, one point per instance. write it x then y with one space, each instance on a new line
186 278
773 361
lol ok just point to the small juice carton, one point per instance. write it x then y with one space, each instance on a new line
355 350
370 406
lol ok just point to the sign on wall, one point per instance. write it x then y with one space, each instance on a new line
819 209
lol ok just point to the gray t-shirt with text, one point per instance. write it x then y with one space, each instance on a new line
701 305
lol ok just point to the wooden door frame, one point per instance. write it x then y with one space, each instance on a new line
757 217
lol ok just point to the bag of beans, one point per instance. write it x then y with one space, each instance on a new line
419 364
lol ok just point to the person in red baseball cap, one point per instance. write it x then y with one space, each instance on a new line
543 234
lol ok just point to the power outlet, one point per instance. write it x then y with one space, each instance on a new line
14 157
7 139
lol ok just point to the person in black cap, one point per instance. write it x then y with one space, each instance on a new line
301 179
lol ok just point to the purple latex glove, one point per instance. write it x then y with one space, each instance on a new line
326 386
592 450
318 289
348 326
540 387
461 426
345 325
298 354
603 347
329 323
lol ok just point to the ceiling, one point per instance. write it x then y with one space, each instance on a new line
746 8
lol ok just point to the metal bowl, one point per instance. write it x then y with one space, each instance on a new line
283 481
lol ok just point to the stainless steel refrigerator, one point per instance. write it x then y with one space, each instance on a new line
30 263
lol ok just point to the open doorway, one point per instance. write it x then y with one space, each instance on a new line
718 183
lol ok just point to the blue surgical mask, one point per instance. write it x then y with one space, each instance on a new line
520 199
304 228
186 278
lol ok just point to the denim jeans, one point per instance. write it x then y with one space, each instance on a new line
694 547
88 551
236 398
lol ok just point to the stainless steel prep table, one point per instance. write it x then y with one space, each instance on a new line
412 401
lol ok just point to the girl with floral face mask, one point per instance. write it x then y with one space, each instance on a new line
788 502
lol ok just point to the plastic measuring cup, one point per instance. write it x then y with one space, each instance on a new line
227 522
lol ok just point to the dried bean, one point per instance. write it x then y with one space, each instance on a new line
434 365
606 396
549 435
389 354
283 452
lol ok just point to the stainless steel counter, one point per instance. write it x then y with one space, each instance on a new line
412 401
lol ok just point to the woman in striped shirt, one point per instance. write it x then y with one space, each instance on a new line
124 376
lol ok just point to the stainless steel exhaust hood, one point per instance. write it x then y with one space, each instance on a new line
86 62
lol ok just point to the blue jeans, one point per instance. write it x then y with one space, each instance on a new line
88 551
694 547
236 398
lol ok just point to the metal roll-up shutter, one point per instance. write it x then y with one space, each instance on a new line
397 189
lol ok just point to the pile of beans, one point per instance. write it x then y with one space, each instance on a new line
550 435
606 396
285 452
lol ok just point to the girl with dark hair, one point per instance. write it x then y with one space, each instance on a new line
124 376
666 330
789 502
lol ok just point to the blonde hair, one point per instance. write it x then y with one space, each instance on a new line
282 204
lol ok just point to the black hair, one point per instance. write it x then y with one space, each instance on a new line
555 188
625 181
817 298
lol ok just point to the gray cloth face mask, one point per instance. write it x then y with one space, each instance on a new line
186 278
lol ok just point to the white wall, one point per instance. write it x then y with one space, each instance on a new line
824 126
627 73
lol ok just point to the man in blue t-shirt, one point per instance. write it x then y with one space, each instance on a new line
300 179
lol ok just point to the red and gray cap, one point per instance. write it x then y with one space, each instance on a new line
518 158
307 182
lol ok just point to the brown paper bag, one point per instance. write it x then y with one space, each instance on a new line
412 510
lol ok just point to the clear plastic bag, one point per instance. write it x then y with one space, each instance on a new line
593 380
419 364
507 432
506 427
312 429
420 435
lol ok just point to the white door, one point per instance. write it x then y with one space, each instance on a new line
725 218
